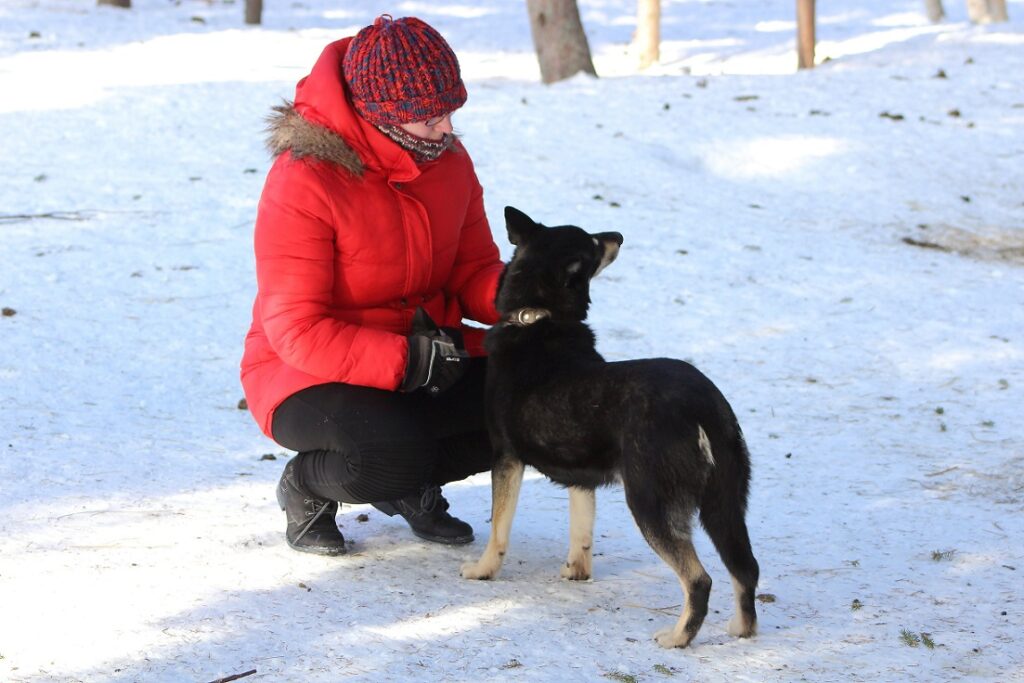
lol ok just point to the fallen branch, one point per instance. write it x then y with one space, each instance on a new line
669 610
234 677
53 215
925 245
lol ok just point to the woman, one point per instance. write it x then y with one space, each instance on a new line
372 211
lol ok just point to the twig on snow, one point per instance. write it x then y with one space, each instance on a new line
54 215
670 610
234 677
151 513
988 441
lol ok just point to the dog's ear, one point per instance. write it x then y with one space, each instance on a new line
520 226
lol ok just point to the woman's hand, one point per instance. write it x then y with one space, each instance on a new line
436 358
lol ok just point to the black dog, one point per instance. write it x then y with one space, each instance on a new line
658 425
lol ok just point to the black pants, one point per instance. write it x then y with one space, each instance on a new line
363 445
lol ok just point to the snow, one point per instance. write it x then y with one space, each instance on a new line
841 250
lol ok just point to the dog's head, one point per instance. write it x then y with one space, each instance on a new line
552 267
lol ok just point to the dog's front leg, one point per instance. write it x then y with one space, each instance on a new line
582 505
506 479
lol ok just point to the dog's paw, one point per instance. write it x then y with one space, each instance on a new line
575 572
668 638
740 628
476 570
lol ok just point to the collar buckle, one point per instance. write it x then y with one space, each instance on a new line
527 316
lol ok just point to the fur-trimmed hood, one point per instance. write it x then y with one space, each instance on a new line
288 131
321 123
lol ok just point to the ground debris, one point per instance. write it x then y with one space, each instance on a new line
51 215
924 244
234 677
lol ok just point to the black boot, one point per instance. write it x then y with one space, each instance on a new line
427 515
311 526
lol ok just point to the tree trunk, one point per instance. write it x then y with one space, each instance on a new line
253 11
977 11
934 10
997 10
558 37
805 33
648 31
115 3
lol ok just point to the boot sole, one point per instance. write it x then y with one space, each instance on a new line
316 550
444 540
311 549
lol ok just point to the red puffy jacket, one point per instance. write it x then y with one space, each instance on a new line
352 235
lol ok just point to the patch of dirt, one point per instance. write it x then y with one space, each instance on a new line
988 244
1003 484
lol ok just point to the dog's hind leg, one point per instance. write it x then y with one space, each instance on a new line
728 532
582 505
506 480
667 529
723 508
696 583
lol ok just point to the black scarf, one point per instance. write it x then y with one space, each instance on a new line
421 149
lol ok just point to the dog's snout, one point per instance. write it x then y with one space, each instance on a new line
605 237
609 243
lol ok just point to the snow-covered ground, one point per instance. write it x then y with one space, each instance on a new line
841 250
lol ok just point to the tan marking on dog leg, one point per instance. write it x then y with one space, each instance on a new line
582 505
506 480
705 445
696 586
740 625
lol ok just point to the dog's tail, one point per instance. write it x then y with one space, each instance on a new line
729 482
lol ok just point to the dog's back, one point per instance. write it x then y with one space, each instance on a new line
564 407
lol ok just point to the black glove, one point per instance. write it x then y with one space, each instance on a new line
436 357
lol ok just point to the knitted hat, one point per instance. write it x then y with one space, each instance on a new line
402 71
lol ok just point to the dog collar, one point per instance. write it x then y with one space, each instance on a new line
526 316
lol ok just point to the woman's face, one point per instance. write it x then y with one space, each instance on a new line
434 129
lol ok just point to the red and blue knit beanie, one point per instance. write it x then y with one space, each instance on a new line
402 71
